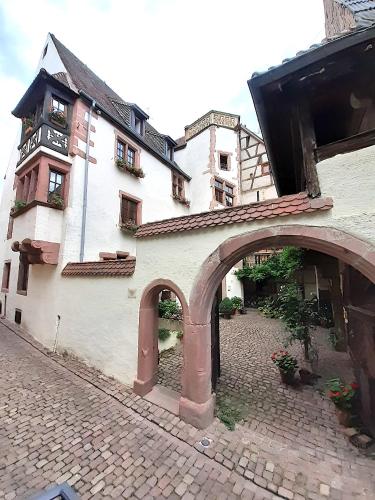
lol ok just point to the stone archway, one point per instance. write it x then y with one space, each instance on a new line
196 404
147 337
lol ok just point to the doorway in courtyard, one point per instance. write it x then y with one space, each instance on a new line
163 310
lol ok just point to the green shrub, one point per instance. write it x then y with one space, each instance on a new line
228 412
164 334
18 204
169 309
180 335
226 306
237 303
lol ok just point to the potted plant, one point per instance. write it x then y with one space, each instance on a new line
57 117
181 199
129 227
237 303
28 124
56 200
286 364
124 165
226 308
18 204
342 395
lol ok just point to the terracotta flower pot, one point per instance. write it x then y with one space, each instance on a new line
343 416
287 377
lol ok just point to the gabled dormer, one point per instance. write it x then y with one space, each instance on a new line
45 111
170 144
137 119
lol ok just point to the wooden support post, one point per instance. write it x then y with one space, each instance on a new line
308 142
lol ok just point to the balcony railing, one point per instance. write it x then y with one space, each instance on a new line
47 136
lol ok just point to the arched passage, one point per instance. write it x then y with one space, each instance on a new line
196 405
147 334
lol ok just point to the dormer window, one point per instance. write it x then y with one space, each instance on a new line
138 125
138 118
169 151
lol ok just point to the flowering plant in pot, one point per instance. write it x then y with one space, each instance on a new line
57 117
28 124
286 364
129 227
237 303
342 395
124 165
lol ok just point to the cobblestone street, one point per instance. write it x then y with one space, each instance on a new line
57 427
64 421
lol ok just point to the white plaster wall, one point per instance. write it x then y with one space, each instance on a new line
227 141
234 285
51 62
266 193
194 160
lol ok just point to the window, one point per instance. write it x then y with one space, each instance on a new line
130 210
45 51
55 186
224 193
17 316
120 150
58 106
177 186
265 169
6 277
261 257
138 125
23 274
258 195
127 153
131 157
169 151
224 161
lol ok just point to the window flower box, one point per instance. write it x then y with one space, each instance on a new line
181 200
56 201
57 117
129 227
125 166
18 205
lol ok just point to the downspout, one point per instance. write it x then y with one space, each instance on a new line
86 178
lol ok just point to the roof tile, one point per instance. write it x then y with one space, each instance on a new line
118 267
287 205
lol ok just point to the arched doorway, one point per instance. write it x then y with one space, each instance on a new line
196 404
147 373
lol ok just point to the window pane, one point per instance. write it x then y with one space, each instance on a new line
228 201
218 184
131 156
120 150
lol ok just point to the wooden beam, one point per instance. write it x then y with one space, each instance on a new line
358 141
308 143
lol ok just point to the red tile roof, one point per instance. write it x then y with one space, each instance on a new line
119 267
278 207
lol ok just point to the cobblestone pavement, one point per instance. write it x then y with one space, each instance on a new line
56 427
286 422
147 441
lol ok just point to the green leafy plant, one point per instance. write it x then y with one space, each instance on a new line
298 314
226 306
164 334
56 200
284 361
28 124
124 165
237 303
129 227
57 117
18 204
228 413
169 309
280 267
180 335
341 394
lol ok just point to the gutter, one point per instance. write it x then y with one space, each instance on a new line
86 179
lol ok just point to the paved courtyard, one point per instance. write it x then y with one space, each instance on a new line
292 421
64 421
56 426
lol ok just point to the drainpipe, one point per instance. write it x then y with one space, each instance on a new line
86 178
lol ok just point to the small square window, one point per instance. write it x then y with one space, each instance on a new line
129 211
18 316
138 125
57 105
177 186
265 169
224 193
224 161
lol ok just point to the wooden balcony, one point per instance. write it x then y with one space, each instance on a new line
44 135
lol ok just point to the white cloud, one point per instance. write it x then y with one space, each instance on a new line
175 59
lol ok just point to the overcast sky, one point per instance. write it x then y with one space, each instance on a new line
176 59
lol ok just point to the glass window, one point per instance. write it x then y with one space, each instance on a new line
131 157
129 210
120 150
224 193
138 125
6 276
177 186
55 183
58 105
